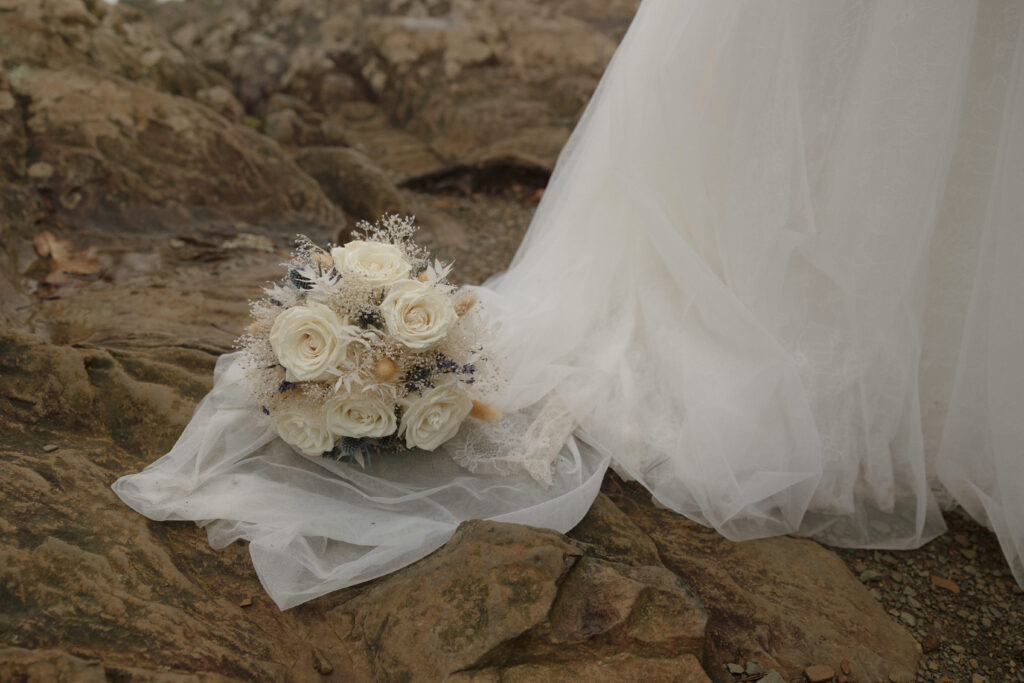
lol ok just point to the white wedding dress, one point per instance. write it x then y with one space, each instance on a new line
777 278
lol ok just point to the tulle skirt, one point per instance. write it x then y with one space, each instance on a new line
777 278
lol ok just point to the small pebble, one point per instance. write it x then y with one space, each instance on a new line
50 448
734 668
321 664
946 584
818 673
869 575
40 170
884 557
246 602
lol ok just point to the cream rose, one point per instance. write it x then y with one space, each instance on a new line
359 416
380 264
310 341
303 427
417 315
435 416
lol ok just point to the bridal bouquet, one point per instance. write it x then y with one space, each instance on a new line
367 348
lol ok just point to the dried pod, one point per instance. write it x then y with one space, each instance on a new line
385 369
465 303
485 412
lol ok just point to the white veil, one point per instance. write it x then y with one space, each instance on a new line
777 277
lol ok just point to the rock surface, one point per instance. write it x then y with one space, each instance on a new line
422 84
351 180
126 157
783 602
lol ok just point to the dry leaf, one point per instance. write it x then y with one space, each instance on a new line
48 245
61 260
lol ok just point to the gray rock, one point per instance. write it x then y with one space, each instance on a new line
222 101
869 575
612 536
493 583
352 181
282 126
129 156
753 668
828 614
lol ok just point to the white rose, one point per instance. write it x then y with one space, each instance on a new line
359 416
303 428
310 341
417 315
435 416
377 263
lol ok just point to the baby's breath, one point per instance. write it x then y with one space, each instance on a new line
399 231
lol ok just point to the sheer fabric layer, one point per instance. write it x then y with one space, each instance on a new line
776 277
315 526
781 260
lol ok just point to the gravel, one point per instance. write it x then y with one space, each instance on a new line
959 599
